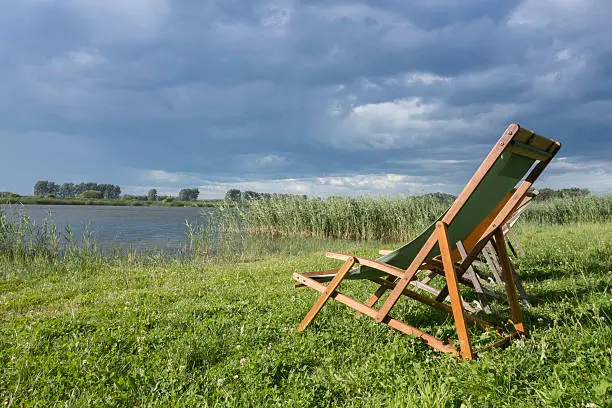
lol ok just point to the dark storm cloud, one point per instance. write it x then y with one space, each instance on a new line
321 96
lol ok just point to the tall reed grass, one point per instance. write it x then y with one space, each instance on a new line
570 209
239 231
23 239
387 219
345 218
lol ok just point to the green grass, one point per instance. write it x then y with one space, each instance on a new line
29 200
221 333
399 219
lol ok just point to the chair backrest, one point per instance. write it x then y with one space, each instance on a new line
510 160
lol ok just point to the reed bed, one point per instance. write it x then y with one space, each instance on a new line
567 210
24 240
386 219
345 218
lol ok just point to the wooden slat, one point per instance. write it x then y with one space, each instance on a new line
511 235
372 263
517 282
467 261
325 295
515 307
528 151
429 275
502 342
433 303
493 265
476 281
317 273
434 291
453 290
466 282
533 139
396 324
524 135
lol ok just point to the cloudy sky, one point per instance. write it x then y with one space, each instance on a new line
315 97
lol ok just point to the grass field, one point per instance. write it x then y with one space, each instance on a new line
92 332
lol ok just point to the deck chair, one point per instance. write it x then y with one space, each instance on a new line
487 202
484 284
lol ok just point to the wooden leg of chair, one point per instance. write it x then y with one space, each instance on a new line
488 253
516 243
453 291
428 277
471 273
377 295
331 288
520 287
510 246
515 307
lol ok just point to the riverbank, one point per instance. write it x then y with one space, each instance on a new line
25 200
88 331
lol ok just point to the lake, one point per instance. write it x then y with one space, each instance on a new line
145 228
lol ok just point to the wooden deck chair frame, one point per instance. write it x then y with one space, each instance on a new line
483 287
514 139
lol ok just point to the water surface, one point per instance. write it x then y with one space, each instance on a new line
147 228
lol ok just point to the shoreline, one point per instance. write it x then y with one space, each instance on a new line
29 200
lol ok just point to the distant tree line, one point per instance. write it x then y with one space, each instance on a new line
44 188
548 193
544 194
237 195
186 194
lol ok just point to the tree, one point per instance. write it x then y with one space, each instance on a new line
67 190
233 195
250 195
189 194
152 196
105 189
195 193
95 194
41 188
80 189
52 188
